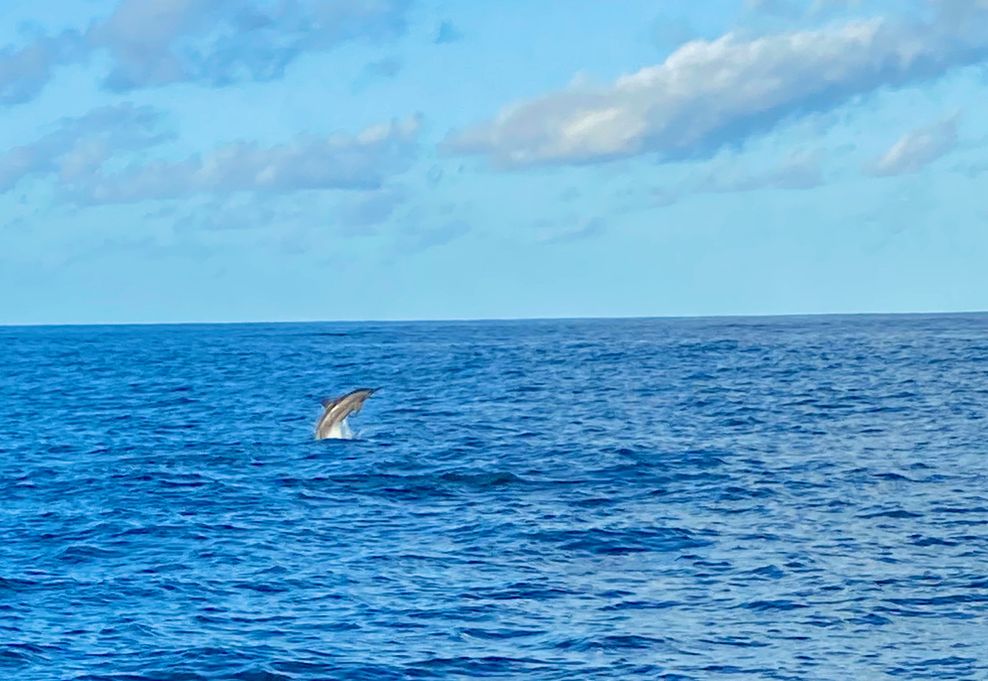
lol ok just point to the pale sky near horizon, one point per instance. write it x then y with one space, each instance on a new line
251 160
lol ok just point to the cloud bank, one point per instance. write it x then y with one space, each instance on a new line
339 161
80 145
211 42
219 42
81 154
712 94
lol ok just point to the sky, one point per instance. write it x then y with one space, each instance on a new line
277 160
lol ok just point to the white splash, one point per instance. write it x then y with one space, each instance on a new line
340 431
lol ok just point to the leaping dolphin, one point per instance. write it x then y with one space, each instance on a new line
332 423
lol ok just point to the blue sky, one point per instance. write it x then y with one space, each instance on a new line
235 160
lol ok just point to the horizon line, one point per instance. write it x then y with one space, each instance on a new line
777 315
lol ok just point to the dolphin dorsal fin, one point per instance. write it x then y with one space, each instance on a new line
328 402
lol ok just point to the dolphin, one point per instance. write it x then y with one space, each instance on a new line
332 423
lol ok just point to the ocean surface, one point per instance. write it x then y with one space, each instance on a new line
787 498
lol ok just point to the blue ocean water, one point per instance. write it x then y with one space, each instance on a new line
791 498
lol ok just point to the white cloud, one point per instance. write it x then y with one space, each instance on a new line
80 145
711 94
78 154
339 161
151 43
918 148
224 41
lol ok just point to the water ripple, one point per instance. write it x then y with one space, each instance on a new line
667 499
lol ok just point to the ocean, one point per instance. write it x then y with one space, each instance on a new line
737 498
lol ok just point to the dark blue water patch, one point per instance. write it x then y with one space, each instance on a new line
768 572
501 633
607 643
519 590
636 540
734 641
473 667
921 540
897 513
894 477
482 479
936 668
643 605
769 605
872 619
798 498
